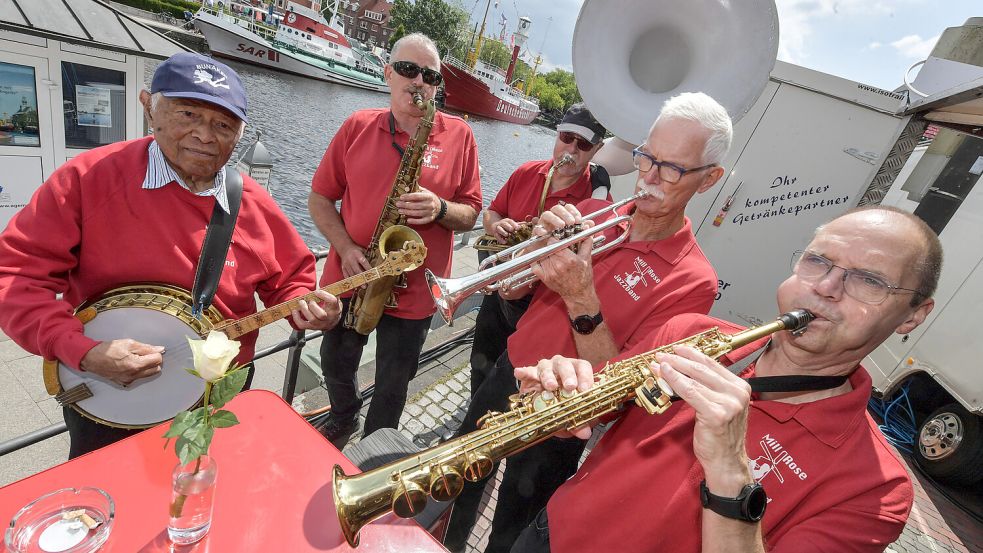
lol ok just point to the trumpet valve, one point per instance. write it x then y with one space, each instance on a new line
409 499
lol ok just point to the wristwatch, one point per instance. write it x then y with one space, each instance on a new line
749 505
585 324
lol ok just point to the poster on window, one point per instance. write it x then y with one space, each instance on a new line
18 106
93 107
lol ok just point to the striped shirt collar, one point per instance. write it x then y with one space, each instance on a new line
160 173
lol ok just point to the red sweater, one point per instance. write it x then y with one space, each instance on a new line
92 227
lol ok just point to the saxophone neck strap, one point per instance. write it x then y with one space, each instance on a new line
215 247
786 383
392 133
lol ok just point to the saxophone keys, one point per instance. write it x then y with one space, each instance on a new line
445 483
651 396
477 467
409 499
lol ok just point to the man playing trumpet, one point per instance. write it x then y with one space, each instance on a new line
567 177
600 307
734 469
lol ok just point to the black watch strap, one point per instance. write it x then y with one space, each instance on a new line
749 505
586 324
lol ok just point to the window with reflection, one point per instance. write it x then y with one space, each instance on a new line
94 101
18 106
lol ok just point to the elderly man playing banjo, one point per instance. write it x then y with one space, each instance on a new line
137 212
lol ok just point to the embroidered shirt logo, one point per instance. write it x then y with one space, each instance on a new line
430 157
776 460
642 274
203 75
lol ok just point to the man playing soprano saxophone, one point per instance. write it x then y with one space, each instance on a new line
358 168
693 478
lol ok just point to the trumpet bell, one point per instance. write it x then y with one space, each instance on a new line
629 56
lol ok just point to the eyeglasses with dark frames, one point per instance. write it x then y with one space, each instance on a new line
859 284
410 70
567 137
668 172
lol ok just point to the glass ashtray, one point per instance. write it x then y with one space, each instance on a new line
70 520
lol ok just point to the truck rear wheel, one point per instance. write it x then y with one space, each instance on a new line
950 446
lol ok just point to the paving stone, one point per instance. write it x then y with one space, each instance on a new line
10 351
413 410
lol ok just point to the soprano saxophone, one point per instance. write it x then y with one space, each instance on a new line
391 233
439 472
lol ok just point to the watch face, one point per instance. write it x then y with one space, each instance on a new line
584 324
755 503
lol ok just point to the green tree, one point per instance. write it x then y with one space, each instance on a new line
399 33
443 23
495 53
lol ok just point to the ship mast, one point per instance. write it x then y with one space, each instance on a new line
539 58
473 54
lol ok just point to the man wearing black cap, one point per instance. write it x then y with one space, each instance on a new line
536 186
137 211
603 305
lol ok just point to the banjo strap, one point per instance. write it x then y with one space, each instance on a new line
216 244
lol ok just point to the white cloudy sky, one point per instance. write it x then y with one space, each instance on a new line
870 41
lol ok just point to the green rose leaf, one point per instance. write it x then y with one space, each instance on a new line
227 387
223 419
192 372
180 424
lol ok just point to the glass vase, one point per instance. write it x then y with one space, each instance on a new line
192 493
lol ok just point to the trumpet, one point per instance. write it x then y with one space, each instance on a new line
403 486
510 268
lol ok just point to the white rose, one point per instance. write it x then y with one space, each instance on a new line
213 355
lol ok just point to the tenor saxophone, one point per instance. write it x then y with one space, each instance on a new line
489 243
391 233
439 472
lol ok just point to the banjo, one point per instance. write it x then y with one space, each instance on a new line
160 314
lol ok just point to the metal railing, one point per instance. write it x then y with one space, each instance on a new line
295 343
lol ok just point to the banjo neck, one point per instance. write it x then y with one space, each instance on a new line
245 325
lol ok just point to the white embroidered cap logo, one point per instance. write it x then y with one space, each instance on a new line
205 76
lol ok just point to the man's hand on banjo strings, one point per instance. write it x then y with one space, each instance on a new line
123 361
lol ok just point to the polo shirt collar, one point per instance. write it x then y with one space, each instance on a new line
672 249
830 420
160 174
382 120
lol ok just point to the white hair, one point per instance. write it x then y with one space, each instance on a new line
701 108
155 101
415 39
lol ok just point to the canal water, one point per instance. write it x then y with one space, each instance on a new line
298 116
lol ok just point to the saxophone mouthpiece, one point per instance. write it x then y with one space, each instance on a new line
418 98
566 159
796 321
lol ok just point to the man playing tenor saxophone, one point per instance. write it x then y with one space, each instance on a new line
734 465
358 168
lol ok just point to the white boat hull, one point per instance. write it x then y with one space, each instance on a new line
228 40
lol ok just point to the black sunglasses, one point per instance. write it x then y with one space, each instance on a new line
410 70
567 137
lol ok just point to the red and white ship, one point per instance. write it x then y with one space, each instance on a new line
485 90
304 44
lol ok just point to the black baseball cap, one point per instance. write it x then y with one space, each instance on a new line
579 120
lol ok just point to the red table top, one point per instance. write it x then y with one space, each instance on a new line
273 491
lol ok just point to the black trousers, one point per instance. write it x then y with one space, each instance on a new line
535 538
398 345
87 435
495 322
530 477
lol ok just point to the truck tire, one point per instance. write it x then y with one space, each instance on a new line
950 446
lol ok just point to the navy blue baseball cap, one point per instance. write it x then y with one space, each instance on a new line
192 75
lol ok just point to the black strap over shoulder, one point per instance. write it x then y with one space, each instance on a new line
788 383
599 179
216 244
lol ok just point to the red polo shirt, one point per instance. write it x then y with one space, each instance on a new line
833 482
519 198
641 285
359 167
